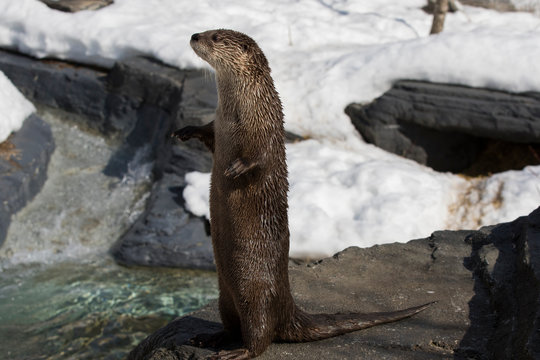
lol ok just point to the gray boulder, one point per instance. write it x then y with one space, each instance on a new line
166 234
487 283
444 126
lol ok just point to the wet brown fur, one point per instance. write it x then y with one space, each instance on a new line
248 207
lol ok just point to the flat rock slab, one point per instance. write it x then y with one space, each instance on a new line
166 234
486 282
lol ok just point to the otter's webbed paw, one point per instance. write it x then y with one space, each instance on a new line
238 167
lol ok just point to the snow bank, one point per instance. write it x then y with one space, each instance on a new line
341 198
14 108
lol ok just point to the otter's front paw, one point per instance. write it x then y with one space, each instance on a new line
237 168
185 133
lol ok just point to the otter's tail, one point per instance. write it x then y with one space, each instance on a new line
311 327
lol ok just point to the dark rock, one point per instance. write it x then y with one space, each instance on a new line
155 95
147 80
486 281
76 5
76 89
444 126
506 266
167 235
23 175
146 138
144 96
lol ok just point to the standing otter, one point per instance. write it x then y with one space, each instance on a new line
248 207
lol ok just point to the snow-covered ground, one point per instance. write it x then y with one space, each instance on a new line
325 55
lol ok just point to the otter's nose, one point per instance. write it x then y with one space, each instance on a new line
195 37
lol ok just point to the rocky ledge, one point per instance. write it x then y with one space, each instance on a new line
487 284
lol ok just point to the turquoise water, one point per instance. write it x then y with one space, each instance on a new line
96 310
61 294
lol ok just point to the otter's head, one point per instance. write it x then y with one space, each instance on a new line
230 51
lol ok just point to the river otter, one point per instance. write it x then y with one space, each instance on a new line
248 207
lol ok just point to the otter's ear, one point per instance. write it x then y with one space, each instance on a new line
245 47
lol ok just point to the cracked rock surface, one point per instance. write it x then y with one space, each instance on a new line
486 282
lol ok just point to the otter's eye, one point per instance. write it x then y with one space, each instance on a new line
215 38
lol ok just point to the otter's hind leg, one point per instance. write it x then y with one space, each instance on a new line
231 326
257 331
